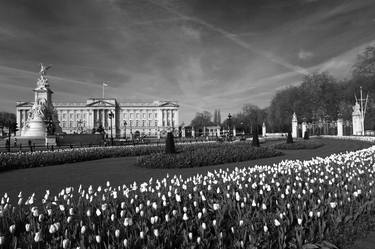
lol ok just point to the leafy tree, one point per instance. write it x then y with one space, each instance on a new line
365 65
7 119
202 119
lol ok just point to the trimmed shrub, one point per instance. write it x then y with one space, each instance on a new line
299 145
306 136
169 144
205 155
289 138
255 141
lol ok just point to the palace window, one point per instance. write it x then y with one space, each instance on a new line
71 124
64 115
143 123
71 115
156 123
137 115
149 123
125 116
144 115
156 115
150 116
136 123
131 115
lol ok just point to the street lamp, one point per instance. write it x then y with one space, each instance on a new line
125 129
50 127
111 115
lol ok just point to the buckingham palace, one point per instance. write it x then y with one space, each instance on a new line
126 119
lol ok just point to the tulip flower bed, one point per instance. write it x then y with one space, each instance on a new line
299 145
293 204
204 155
44 158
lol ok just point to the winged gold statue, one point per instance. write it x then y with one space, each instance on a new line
43 69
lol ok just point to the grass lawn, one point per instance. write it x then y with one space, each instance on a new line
123 170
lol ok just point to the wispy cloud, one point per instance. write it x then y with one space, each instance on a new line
305 55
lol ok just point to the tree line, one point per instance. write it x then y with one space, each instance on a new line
320 97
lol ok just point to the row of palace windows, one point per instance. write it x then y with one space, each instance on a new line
140 115
77 116
132 123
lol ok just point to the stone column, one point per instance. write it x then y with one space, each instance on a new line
304 128
234 131
176 121
18 121
159 117
183 132
162 123
192 132
90 119
166 118
340 127
294 126
218 132
264 131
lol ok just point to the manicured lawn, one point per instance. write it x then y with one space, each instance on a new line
123 170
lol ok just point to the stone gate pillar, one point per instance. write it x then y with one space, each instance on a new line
340 127
304 128
264 131
294 126
357 120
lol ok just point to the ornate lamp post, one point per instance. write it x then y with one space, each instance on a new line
111 115
125 129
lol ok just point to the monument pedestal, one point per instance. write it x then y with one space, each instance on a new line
37 128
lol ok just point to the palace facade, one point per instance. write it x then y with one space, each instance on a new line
128 119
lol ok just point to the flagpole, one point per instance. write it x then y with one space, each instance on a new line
103 90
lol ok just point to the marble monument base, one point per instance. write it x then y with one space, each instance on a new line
36 128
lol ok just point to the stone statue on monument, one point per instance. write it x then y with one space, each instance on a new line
43 81
43 69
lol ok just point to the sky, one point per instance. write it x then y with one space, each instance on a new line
204 54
